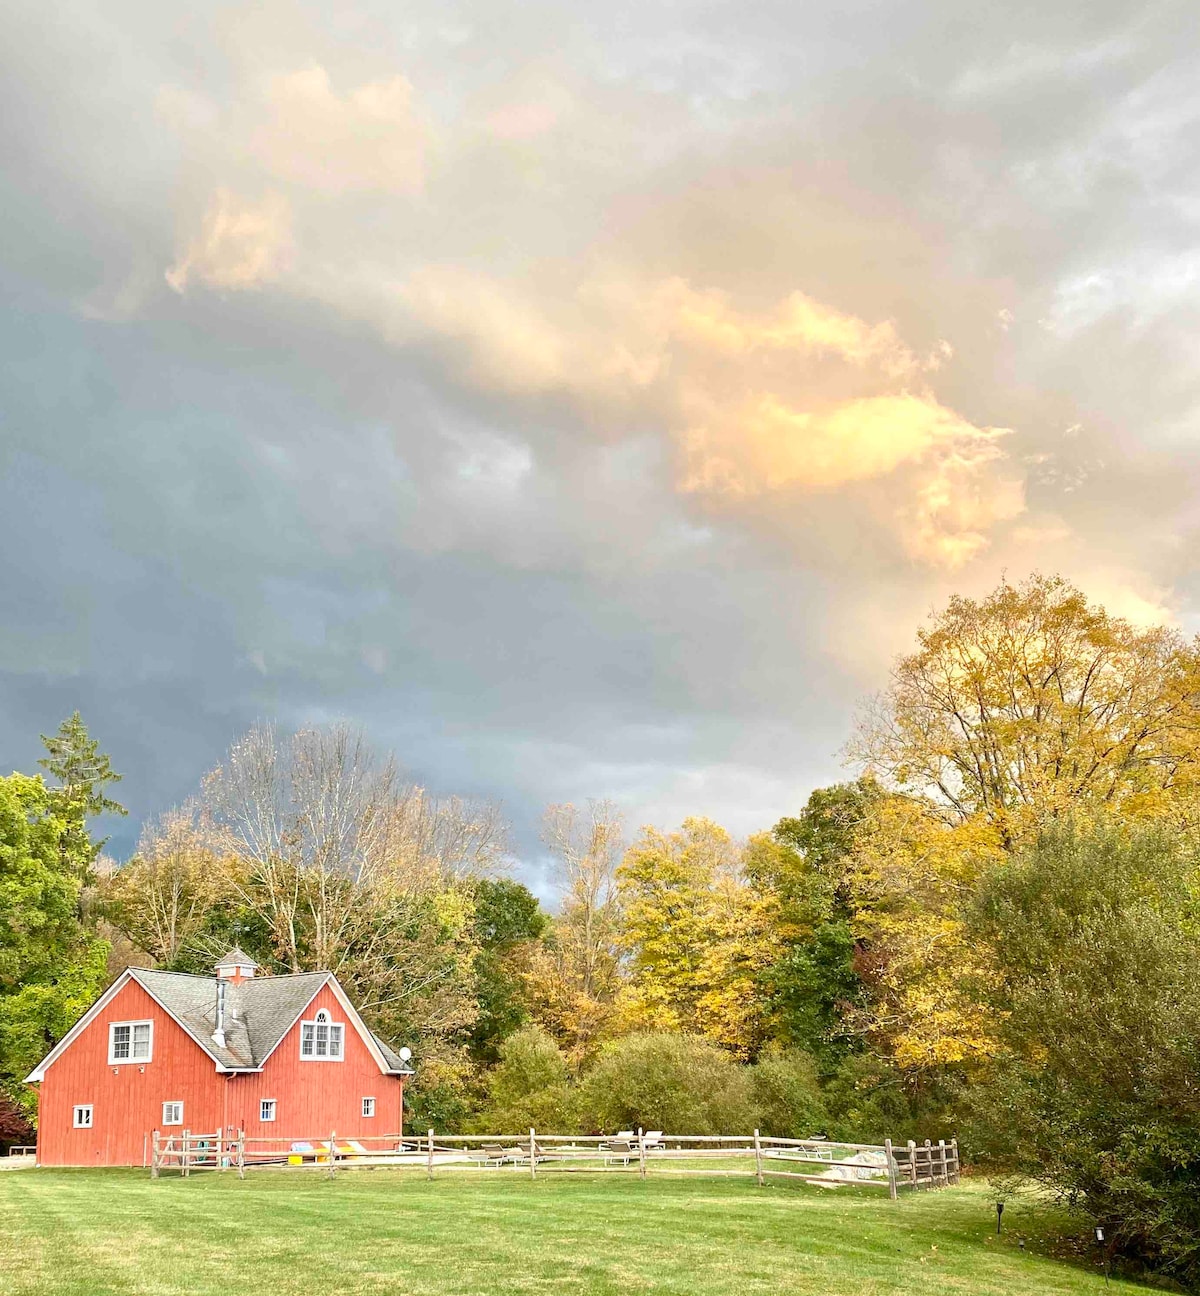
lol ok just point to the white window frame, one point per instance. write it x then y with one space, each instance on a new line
265 1105
368 1107
310 1032
88 1121
168 1114
113 1060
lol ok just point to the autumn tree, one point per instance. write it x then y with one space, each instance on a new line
351 868
1032 702
164 898
574 976
696 935
1016 710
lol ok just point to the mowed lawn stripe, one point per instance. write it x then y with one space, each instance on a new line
113 1233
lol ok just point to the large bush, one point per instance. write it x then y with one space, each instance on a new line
1093 942
679 1083
529 1086
787 1095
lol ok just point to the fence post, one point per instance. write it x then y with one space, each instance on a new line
929 1162
944 1175
154 1156
912 1163
642 1151
532 1154
332 1153
241 1153
430 1132
221 1148
893 1192
954 1154
758 1174
185 1158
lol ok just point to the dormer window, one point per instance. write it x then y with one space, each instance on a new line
321 1039
130 1042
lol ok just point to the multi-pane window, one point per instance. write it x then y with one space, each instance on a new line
129 1041
172 1113
368 1106
321 1039
266 1109
82 1118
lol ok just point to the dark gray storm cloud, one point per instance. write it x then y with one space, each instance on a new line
588 402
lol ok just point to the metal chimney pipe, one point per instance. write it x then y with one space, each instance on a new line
219 1030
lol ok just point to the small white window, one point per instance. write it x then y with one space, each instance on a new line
321 1039
130 1041
266 1109
368 1106
172 1113
83 1116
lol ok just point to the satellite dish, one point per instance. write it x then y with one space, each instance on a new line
405 1054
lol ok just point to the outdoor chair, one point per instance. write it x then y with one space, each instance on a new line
620 1149
493 1154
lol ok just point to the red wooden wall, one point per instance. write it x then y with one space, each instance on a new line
127 1099
313 1098
317 1098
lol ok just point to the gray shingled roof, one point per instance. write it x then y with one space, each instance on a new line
258 1012
391 1057
237 957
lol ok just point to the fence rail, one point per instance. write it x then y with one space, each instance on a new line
893 1167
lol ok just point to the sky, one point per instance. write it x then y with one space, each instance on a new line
589 401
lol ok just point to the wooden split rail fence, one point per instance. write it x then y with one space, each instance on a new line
894 1167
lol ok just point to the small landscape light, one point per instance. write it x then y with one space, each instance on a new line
999 1212
1099 1233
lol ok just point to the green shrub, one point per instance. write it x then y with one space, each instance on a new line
679 1083
529 1086
787 1095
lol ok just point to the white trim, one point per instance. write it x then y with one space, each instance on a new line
262 1103
130 1060
169 1115
88 1122
39 1072
368 1111
311 1027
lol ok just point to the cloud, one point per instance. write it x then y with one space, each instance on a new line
241 244
755 404
363 141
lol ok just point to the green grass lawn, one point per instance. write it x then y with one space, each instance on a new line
104 1233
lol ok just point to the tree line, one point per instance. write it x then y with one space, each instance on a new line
992 930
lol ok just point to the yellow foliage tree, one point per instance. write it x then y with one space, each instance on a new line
1017 709
1032 702
696 935
574 974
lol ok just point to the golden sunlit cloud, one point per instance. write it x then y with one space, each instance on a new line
794 396
241 244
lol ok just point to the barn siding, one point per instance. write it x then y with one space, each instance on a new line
317 1098
127 1099
314 1098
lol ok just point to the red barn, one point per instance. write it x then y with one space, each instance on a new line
284 1057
